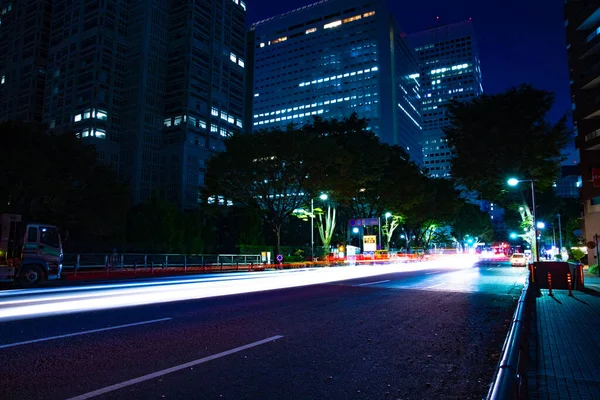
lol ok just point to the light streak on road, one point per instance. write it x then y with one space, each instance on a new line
22 304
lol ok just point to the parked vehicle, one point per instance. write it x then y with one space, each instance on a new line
30 253
518 260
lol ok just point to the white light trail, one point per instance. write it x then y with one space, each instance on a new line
71 300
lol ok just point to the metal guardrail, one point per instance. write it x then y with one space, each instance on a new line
102 260
510 378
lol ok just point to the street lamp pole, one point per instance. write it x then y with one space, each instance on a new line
534 244
312 230
559 234
537 252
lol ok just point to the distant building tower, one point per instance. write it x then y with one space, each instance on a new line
333 58
582 25
449 69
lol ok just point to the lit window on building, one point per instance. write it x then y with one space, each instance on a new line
355 18
214 111
77 118
101 114
332 24
369 14
100 134
311 30
279 40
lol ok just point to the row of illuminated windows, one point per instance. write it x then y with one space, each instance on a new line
329 25
334 77
178 120
318 104
453 68
367 104
240 3
92 132
236 60
197 123
215 112
91 113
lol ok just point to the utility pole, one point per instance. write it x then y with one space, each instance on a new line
559 234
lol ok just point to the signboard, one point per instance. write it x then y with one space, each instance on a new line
364 222
370 243
596 177
279 257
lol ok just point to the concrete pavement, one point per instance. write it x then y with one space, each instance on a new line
566 345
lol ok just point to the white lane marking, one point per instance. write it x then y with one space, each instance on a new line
373 283
83 333
429 287
429 273
157 374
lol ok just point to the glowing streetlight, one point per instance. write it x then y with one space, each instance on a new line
388 214
515 182
541 225
355 230
513 235
323 197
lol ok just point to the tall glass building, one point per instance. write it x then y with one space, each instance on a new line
449 69
333 58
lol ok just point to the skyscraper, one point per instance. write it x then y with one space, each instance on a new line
24 41
154 85
582 25
449 69
333 58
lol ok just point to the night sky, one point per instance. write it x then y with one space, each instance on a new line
519 40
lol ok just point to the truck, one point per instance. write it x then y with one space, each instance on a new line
30 253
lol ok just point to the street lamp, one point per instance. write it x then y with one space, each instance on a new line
513 235
541 225
323 197
515 182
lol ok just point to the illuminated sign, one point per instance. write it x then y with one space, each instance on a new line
370 243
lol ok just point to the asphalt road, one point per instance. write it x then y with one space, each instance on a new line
433 332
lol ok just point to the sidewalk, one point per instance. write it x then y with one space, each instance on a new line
565 345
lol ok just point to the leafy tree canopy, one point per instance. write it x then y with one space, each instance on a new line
505 135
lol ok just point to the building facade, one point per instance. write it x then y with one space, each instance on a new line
154 85
333 58
24 43
449 69
582 25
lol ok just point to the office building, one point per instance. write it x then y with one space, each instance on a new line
449 69
568 183
24 41
582 25
154 85
333 58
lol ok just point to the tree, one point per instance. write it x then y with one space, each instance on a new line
496 137
499 136
471 222
265 169
439 203
325 222
56 179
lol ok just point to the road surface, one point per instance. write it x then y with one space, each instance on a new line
419 331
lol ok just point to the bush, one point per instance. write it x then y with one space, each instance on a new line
577 254
593 269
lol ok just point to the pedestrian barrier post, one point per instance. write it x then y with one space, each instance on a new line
185 263
549 283
569 283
